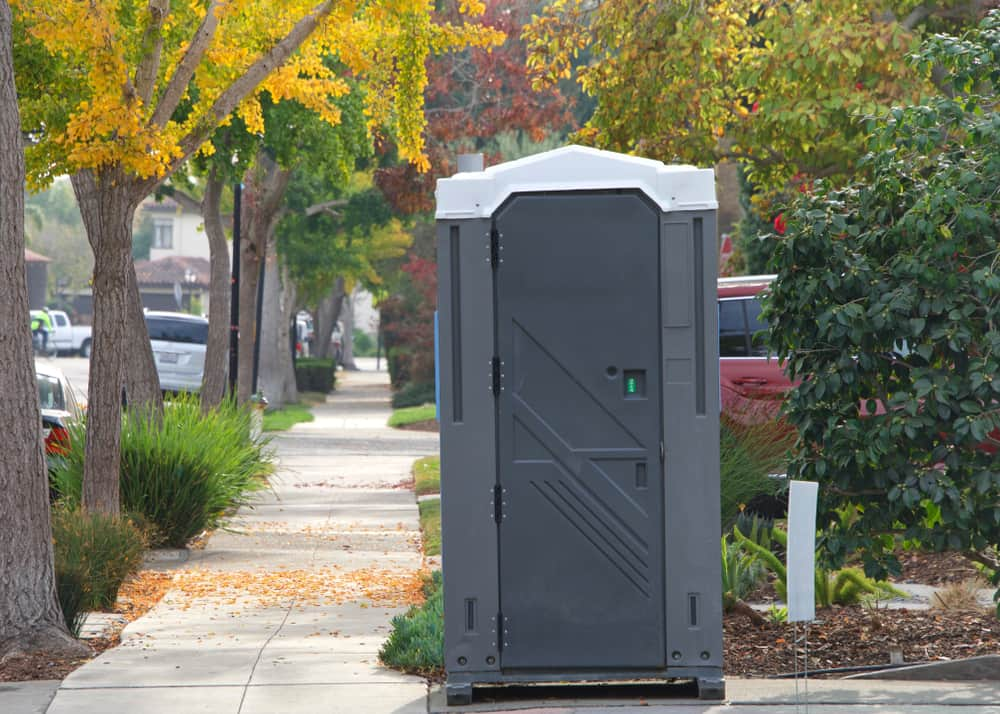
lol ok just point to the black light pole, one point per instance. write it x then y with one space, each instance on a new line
234 301
257 319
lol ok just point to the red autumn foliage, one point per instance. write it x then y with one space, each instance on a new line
408 325
472 96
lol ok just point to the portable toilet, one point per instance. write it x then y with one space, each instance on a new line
579 406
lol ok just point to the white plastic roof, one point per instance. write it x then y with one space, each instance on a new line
477 194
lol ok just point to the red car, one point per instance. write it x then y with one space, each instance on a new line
752 384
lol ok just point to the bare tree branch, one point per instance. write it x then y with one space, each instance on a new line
320 207
152 43
185 69
916 16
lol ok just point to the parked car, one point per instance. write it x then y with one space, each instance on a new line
65 337
60 405
753 385
178 341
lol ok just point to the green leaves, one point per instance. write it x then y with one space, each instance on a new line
887 296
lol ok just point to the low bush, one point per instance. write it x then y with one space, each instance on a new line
93 554
313 374
416 643
414 395
427 475
180 475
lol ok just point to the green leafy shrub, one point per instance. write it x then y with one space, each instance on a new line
414 394
885 307
750 451
416 643
93 554
364 344
313 374
181 475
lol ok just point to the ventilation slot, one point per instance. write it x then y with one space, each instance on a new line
470 615
699 317
456 325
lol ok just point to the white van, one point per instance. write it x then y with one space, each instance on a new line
178 342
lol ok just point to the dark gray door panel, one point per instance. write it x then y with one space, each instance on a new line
579 418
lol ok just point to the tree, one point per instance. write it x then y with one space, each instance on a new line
30 618
133 90
778 87
887 306
473 96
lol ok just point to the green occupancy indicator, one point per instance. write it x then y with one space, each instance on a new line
631 385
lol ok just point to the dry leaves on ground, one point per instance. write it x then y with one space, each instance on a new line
330 585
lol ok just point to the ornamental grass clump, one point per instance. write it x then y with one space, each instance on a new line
181 473
93 554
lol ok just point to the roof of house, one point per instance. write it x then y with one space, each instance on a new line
33 257
179 202
174 269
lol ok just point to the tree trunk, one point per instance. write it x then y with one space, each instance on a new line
277 374
107 211
327 314
213 385
271 316
142 383
30 619
347 320
262 198
289 307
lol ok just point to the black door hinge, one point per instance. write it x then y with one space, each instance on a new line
500 631
495 375
494 247
498 503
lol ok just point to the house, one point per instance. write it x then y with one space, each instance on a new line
177 227
37 268
175 283
176 277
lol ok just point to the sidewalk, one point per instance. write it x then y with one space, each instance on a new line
285 612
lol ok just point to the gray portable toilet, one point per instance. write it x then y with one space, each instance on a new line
579 395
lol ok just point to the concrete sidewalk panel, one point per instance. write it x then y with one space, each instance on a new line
337 699
179 666
292 666
27 697
160 700
854 691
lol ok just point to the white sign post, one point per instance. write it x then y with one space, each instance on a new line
801 552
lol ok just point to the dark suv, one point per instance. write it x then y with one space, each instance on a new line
752 384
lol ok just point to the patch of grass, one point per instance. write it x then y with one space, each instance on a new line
286 418
430 525
427 475
412 415
416 643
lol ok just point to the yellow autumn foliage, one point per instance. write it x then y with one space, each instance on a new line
90 111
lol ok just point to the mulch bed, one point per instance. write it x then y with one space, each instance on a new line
854 636
137 596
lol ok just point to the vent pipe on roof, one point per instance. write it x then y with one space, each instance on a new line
470 162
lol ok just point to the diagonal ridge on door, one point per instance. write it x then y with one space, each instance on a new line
570 464
545 367
560 503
